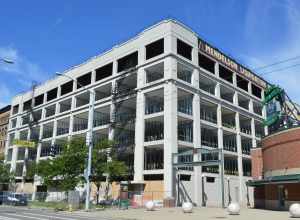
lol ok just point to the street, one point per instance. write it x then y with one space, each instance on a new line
21 213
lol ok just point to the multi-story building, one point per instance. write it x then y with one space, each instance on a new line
4 116
162 92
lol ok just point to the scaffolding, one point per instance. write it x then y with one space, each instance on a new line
123 119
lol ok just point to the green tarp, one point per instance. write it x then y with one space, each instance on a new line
294 178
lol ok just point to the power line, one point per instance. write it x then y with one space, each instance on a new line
276 63
281 69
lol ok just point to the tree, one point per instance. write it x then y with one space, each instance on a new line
6 177
105 166
65 171
31 169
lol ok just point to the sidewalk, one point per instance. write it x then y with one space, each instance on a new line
198 213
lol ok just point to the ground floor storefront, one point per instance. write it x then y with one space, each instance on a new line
277 193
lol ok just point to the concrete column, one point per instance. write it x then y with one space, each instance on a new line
235 98
89 133
170 68
14 153
251 105
170 136
58 91
220 145
39 146
250 87
218 90
195 78
38 155
217 69
195 55
54 132
234 79
142 54
74 84
93 76
6 146
112 112
170 44
197 144
139 138
240 158
71 126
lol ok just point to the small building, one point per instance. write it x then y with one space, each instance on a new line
276 170
4 116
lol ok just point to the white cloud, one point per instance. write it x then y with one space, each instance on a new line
22 67
17 77
259 17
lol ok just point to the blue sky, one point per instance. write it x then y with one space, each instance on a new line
44 37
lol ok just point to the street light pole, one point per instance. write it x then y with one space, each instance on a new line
7 61
89 141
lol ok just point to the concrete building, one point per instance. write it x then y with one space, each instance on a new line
162 92
276 170
4 116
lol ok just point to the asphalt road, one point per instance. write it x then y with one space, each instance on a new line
20 213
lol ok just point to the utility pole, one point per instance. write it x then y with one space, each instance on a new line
89 141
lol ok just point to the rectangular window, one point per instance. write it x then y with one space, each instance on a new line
52 94
66 88
128 62
242 83
225 74
39 100
104 71
15 109
153 177
210 179
84 80
256 91
27 105
184 49
206 63
154 49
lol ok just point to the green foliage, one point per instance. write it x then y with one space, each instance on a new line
31 169
105 163
5 175
65 172
2 157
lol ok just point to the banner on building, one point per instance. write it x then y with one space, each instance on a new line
229 62
24 143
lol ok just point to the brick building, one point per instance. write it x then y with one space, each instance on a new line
276 170
4 116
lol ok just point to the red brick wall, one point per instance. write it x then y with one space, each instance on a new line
282 150
257 163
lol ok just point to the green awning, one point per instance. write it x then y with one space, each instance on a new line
293 178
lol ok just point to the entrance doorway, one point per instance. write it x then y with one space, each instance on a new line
281 197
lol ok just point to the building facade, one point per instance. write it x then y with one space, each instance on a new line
163 92
4 117
276 170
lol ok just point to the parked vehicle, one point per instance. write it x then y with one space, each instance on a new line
15 199
1 197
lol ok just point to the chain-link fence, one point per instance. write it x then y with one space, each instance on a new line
76 199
